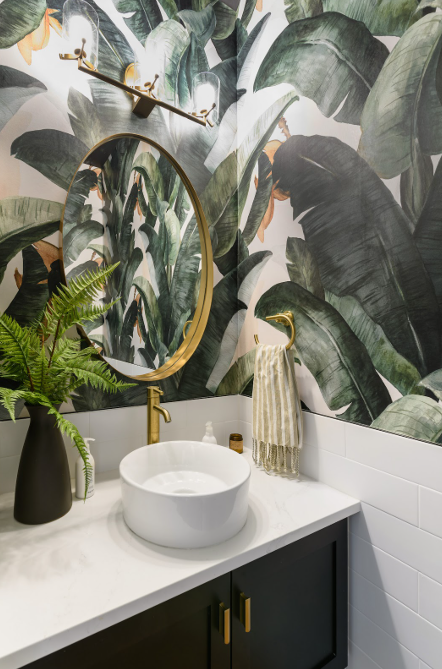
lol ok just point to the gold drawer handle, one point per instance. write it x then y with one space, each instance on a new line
245 612
224 623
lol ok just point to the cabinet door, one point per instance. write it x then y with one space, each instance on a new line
183 633
294 601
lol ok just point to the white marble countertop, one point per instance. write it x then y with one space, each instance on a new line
68 579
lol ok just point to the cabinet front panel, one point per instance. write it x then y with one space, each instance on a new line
182 633
297 606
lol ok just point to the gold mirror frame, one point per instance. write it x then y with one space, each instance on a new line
201 315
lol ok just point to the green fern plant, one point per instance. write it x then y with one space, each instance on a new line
47 365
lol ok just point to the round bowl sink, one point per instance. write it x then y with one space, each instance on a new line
185 494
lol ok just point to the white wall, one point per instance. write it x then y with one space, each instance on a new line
119 431
395 542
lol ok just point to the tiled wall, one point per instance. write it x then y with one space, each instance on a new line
119 431
395 542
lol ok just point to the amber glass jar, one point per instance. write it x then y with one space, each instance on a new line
236 442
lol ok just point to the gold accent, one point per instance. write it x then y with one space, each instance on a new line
224 623
154 409
201 315
286 318
184 328
146 100
245 611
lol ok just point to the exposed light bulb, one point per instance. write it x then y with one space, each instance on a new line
79 28
205 93
204 97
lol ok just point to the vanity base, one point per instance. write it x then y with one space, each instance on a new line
294 602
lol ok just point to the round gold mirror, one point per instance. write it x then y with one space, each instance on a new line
131 203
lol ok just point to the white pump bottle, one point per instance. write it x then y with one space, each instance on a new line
209 437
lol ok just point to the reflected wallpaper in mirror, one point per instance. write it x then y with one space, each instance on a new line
127 204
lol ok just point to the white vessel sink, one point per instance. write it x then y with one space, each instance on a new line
185 494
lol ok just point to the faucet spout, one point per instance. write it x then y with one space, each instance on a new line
163 411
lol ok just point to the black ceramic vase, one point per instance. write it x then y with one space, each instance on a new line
43 490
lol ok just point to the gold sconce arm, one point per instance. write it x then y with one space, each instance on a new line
144 101
286 318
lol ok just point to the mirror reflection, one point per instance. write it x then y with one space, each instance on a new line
129 204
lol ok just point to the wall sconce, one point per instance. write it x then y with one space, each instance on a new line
80 36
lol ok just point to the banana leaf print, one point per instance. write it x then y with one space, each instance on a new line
329 58
405 96
362 242
338 360
355 256
16 88
16 21
412 416
24 220
384 17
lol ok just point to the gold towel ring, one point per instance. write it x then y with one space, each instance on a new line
286 318
187 323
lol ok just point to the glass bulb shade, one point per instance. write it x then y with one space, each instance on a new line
150 64
80 21
205 93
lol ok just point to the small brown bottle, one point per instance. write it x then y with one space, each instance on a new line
236 442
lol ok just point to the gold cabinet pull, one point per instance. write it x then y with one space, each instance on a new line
224 623
245 612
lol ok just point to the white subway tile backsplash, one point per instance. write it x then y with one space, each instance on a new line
430 511
410 459
8 473
323 432
380 647
407 543
389 493
12 436
430 600
385 571
357 659
411 630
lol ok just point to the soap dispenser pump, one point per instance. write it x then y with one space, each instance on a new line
79 474
209 437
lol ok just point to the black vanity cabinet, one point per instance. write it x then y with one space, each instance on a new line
287 610
293 602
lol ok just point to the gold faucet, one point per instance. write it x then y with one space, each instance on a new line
154 409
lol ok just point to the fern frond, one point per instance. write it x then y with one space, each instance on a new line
68 428
16 343
8 398
95 373
82 290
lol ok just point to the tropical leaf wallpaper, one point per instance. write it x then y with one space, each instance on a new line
321 184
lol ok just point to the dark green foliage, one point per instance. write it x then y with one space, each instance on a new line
362 242
16 88
53 153
48 366
17 21
329 58
338 360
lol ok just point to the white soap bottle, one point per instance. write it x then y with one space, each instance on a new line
209 437
79 474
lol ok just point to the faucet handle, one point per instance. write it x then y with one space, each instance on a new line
155 389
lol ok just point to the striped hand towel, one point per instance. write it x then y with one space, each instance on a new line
277 415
